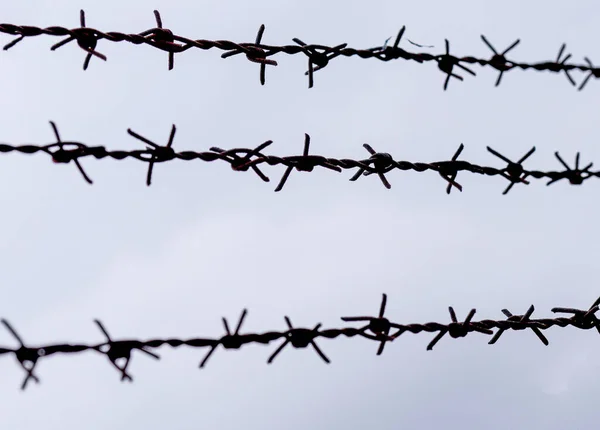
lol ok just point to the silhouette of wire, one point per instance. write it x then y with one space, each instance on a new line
319 56
376 328
244 159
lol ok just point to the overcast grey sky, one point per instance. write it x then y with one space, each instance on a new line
203 241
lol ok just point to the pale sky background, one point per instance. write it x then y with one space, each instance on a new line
203 241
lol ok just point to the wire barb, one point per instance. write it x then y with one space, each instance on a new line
449 172
382 162
560 64
515 172
159 153
255 53
394 52
583 319
319 59
230 340
575 176
593 72
446 64
242 164
86 39
65 156
304 163
299 338
521 319
379 326
162 38
498 60
27 357
458 329
120 352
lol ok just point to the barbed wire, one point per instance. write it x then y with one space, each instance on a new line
319 56
244 159
376 328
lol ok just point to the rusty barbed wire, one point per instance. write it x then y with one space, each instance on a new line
376 328
244 159
319 56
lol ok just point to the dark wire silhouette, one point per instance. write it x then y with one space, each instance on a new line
85 39
319 56
244 159
377 329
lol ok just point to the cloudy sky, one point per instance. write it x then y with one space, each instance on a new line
204 242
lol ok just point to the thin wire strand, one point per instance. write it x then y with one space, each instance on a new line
245 159
319 56
376 328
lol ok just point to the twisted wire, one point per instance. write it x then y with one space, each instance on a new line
374 328
319 56
244 159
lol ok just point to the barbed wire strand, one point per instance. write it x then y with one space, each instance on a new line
319 56
244 159
375 328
